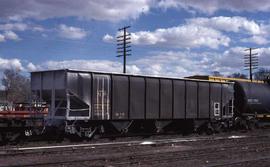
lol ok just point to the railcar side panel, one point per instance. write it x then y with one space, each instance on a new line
166 99
120 97
191 99
47 80
60 101
72 83
179 99
203 97
79 93
137 97
84 87
59 80
226 96
215 100
101 97
59 88
36 81
152 98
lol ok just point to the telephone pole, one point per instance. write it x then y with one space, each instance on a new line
251 61
123 45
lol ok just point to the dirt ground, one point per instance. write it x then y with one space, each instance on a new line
229 149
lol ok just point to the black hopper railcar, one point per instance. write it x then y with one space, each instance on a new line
84 103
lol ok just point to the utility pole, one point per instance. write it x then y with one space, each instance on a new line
123 45
251 61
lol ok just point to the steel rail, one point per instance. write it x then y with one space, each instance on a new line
167 156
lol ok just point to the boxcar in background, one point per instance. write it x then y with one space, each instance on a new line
84 102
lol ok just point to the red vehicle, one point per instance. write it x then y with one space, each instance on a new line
21 119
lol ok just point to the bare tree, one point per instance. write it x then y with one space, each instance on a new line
17 86
262 74
217 74
238 75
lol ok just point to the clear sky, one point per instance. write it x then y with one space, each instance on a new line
169 37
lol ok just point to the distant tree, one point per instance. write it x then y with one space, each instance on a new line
262 74
16 85
238 75
216 74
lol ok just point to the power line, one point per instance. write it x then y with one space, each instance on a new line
251 61
123 45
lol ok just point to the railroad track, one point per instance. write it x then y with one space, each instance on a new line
191 155
173 154
74 147
155 157
242 162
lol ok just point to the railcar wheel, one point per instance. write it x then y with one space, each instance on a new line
1 138
241 123
122 126
91 134
217 127
252 124
74 138
160 126
209 129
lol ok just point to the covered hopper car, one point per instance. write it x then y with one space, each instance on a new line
84 103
